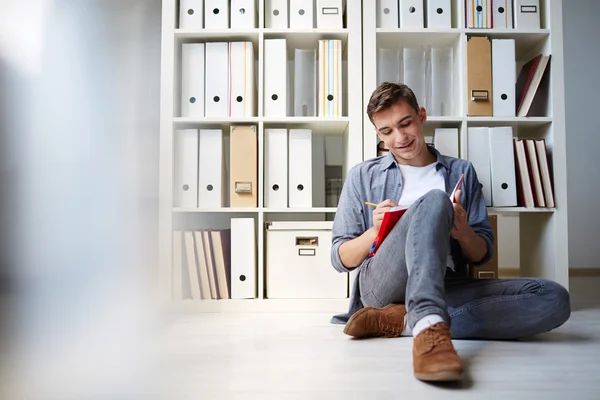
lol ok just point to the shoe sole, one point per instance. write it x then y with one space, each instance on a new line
357 314
443 376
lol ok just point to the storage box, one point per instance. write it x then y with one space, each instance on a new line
298 262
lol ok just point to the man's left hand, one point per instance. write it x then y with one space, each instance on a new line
461 228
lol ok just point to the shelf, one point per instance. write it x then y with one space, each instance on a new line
299 38
506 210
417 37
434 118
223 123
301 210
225 35
215 210
319 125
514 121
524 39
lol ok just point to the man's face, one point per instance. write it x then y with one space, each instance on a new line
401 129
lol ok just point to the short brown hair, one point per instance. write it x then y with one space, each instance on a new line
387 94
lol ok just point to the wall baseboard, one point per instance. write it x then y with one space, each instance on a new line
573 272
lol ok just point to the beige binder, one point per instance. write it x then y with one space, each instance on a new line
244 166
479 76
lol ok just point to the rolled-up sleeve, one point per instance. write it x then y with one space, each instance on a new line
477 213
349 221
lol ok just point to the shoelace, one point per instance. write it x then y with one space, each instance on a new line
439 336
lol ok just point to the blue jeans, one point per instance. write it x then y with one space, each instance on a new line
410 268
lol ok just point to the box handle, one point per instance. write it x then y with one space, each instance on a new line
528 9
307 241
307 252
329 10
479 95
486 274
243 187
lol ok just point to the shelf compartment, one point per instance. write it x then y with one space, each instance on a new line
220 35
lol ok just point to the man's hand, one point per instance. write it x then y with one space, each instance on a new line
461 229
379 211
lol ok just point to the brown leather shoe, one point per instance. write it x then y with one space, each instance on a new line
377 322
434 357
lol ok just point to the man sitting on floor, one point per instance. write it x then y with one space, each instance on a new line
417 283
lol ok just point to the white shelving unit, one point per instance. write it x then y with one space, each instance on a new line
541 233
348 127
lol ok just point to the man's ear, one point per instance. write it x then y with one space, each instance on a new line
422 115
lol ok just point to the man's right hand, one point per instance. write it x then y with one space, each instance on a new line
379 211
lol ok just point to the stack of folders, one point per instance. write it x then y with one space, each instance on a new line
414 14
201 168
326 74
294 169
205 267
502 14
427 70
492 85
512 172
300 14
217 14
218 80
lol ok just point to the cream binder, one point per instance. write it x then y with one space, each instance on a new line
243 148
387 14
217 79
192 265
191 14
276 14
439 14
503 15
242 85
502 157
301 14
192 80
330 78
202 267
527 14
504 77
243 14
177 272
478 153
186 168
276 168
216 14
330 14
305 82
243 258
300 168
479 76
412 14
276 71
211 182
210 264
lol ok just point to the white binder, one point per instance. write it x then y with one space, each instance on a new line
504 77
191 14
503 15
387 14
301 14
527 14
243 14
414 72
276 91
441 102
216 97
330 78
330 14
389 65
305 82
502 160
216 14
243 258
445 140
411 14
276 168
479 13
318 171
478 153
300 168
192 80
242 85
276 14
439 14
211 165
186 168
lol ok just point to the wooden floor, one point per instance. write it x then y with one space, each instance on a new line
303 356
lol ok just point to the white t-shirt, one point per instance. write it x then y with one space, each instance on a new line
416 182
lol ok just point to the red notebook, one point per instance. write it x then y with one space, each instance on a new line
391 217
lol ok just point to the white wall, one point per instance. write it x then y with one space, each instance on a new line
582 86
